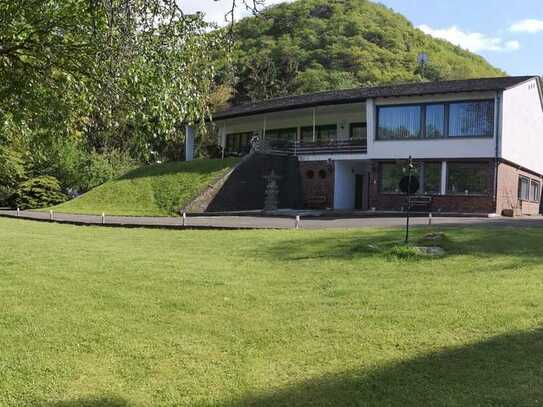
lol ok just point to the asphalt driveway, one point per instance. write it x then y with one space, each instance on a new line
263 222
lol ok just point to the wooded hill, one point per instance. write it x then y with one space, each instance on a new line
315 45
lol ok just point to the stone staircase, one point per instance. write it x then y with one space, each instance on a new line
243 188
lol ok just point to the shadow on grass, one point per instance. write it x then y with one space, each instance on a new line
518 245
503 371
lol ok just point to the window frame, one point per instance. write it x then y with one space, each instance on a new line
446 120
318 128
237 140
421 168
284 130
447 179
522 178
448 116
537 198
358 125
421 131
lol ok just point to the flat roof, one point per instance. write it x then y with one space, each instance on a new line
337 97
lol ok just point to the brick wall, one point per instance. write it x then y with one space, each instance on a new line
441 203
507 192
317 184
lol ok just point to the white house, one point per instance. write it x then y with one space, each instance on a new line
477 144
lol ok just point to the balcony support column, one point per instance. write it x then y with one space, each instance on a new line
190 135
444 178
314 124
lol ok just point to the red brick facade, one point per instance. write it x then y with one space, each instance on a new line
318 191
440 203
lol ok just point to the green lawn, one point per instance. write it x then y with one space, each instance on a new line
157 190
95 316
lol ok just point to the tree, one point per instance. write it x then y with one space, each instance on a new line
117 73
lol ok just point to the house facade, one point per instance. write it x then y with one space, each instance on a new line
477 145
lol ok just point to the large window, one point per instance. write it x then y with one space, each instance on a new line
399 122
358 131
471 119
436 120
524 188
431 178
428 173
391 175
322 133
468 178
289 134
238 143
529 190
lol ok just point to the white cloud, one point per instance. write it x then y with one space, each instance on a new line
472 41
530 26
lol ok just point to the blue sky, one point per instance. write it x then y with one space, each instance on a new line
509 34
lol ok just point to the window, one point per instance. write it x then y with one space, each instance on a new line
391 174
290 134
238 143
322 133
428 173
471 119
398 122
524 189
468 178
436 120
359 131
535 191
431 178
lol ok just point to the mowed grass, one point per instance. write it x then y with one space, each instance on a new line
95 316
156 190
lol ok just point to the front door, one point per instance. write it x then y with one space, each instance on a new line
359 192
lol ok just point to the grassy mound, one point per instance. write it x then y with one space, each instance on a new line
156 190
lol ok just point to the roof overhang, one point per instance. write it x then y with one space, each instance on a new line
352 96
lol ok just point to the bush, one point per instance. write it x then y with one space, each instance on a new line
213 151
11 173
39 192
97 168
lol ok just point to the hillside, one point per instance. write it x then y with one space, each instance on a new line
315 45
157 190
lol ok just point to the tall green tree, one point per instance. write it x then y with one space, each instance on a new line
123 73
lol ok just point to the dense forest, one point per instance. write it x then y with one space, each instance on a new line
315 45
89 89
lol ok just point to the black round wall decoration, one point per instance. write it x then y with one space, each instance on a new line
407 187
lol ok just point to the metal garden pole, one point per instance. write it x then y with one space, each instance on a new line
409 174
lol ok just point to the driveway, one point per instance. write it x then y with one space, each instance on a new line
261 222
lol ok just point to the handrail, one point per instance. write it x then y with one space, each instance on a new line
275 146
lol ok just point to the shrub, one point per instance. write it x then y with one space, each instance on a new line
213 151
39 192
12 171
97 168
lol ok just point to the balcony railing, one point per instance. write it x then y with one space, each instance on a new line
286 147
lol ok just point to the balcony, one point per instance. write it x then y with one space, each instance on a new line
285 147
